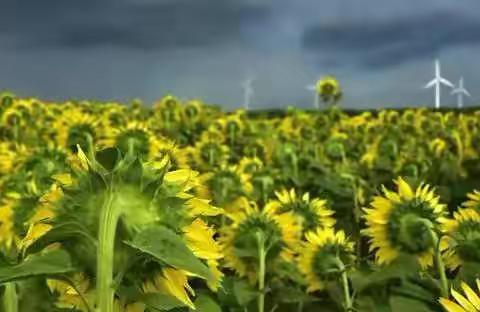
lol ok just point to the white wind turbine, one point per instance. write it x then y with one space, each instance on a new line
437 82
248 93
460 91
316 99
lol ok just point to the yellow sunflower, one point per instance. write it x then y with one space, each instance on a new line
171 282
280 232
8 237
74 126
328 88
323 256
470 302
209 154
134 136
311 213
224 186
178 156
473 201
402 222
462 240
79 296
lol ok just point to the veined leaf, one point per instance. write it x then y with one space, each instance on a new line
166 246
44 263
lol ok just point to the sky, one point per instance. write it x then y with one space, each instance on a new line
381 51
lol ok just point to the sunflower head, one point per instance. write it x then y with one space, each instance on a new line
75 127
470 302
324 256
312 213
225 185
404 222
328 88
462 241
209 154
240 240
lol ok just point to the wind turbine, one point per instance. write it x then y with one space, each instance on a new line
437 82
248 93
316 100
460 91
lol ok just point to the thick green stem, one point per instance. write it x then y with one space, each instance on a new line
105 255
346 289
261 271
10 298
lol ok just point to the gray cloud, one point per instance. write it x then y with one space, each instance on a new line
381 42
143 25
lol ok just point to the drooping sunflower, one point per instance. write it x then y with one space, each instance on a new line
134 137
324 256
179 157
280 231
470 302
210 152
462 240
312 213
75 127
224 186
403 221
146 196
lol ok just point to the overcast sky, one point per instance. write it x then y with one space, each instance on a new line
381 51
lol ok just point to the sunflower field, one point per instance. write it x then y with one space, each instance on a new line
179 206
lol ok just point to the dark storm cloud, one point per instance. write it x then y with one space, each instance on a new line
392 41
141 25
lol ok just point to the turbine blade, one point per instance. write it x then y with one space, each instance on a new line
446 82
311 88
430 84
466 93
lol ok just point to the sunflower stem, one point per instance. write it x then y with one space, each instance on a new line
10 298
105 254
346 288
440 265
261 271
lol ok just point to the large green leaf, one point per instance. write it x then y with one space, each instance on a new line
161 302
402 304
204 303
168 247
44 263
400 269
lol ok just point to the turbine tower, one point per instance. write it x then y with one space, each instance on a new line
437 82
316 99
460 91
247 93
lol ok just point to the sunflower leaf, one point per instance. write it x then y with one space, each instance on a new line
205 303
45 263
168 247
161 302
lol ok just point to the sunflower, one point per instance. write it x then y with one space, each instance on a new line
402 222
133 137
8 237
78 295
171 282
249 165
473 201
470 302
75 127
209 154
462 240
239 239
178 156
323 256
312 213
328 88
224 185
